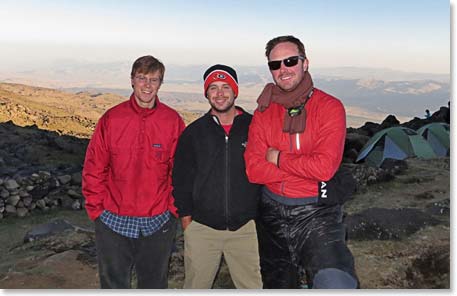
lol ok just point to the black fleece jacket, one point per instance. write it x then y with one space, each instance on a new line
209 175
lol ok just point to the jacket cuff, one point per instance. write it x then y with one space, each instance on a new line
183 213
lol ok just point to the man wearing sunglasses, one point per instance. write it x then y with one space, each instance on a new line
296 142
127 183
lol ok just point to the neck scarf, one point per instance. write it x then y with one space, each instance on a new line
288 99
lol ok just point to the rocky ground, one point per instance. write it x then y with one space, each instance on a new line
398 231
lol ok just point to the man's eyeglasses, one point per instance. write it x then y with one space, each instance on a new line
144 79
289 62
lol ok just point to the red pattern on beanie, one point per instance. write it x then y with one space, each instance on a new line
224 76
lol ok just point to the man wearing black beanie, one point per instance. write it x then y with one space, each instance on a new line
216 203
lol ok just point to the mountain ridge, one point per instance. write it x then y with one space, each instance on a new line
54 110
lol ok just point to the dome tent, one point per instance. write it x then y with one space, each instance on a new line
397 143
437 135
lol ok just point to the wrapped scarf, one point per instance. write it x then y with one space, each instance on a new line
288 99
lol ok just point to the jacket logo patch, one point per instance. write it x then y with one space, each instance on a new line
156 145
323 190
244 144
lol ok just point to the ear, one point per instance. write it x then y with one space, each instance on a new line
305 65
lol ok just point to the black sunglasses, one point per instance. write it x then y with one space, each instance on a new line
289 62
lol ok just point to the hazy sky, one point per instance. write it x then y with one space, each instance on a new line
410 35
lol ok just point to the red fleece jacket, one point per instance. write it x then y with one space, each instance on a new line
129 160
305 158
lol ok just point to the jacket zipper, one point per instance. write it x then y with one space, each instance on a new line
297 141
227 181
291 149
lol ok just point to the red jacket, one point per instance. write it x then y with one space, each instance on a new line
305 158
128 164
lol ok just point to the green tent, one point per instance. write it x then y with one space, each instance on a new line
437 135
397 143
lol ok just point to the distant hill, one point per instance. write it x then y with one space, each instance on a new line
401 98
67 113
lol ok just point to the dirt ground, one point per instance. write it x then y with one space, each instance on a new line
419 261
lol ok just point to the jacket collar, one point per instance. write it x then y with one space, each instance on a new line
240 112
141 110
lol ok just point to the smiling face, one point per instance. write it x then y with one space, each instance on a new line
287 78
221 97
145 88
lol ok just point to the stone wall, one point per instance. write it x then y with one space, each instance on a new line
39 191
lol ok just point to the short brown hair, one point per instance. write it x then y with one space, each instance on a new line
148 64
281 39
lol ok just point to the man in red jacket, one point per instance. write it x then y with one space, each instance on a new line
127 183
296 141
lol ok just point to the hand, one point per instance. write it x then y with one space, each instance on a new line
272 155
185 221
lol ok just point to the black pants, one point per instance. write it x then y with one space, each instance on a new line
309 237
149 255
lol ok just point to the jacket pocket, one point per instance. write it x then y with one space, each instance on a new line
158 160
160 155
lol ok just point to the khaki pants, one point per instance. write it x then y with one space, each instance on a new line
204 246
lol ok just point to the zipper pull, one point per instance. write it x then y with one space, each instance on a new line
226 139
297 141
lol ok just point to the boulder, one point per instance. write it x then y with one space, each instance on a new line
10 209
4 193
389 121
76 205
439 208
27 201
369 129
416 123
11 184
22 212
13 200
48 229
76 178
355 141
41 204
73 194
442 115
64 179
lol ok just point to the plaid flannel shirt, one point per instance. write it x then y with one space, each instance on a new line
133 226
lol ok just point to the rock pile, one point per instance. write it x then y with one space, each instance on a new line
39 191
39 170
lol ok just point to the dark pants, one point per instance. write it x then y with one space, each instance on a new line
149 255
308 237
